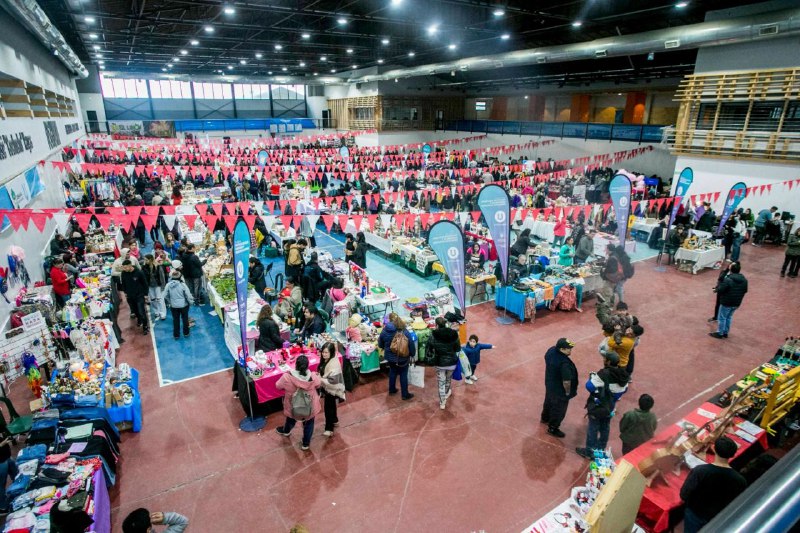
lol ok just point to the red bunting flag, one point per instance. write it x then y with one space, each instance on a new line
191 220
328 221
423 219
357 219
371 219
39 220
149 221
250 220
296 221
82 219
217 208
286 220
104 220
210 220
476 216
230 221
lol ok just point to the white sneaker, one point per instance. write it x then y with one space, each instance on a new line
468 381
443 404
328 433
473 377
446 396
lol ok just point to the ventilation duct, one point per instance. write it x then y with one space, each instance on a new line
34 18
718 32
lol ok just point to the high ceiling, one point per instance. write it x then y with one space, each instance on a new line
291 37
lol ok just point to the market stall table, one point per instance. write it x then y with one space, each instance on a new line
641 225
372 302
602 240
233 336
701 258
476 286
486 244
513 300
661 506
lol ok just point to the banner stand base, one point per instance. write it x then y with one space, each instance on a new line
252 424
505 320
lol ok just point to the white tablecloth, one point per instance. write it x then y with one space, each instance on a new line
702 258
376 241
539 228
640 225
601 242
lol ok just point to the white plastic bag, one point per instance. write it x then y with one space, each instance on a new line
416 376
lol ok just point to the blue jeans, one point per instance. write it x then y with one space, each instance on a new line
559 240
308 428
724 317
597 433
402 371
736 248
619 290
691 522
8 469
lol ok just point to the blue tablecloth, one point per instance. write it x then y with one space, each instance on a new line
514 301
125 413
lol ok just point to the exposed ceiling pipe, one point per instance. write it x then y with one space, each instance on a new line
34 18
719 32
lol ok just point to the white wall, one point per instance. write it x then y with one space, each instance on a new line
92 102
316 104
351 90
718 175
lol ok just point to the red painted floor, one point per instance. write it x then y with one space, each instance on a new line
483 464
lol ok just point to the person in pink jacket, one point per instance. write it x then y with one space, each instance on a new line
559 232
303 380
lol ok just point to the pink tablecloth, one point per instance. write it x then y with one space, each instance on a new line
265 385
487 245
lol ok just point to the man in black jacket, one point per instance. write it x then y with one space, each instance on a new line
561 385
192 272
444 346
135 286
731 293
256 276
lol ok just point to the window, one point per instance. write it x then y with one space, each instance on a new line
237 91
226 91
480 105
217 90
166 89
364 113
155 89
248 92
107 86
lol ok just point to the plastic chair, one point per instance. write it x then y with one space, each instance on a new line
18 424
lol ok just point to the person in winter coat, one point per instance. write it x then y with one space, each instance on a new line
294 259
59 245
723 273
398 364
792 260
585 247
473 352
60 282
299 379
444 347
638 426
178 298
289 299
360 253
135 286
605 387
731 291
313 325
560 384
116 266
559 232
192 272
269 334
332 385
255 276
156 277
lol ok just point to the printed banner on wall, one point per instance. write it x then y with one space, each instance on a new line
447 241
494 203
241 264
684 182
620 191
263 155
735 197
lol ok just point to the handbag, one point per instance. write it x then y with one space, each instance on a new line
416 376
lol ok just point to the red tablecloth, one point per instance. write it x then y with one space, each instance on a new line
484 241
265 385
660 500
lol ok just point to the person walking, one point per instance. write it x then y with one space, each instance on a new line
731 291
792 259
135 286
444 346
561 385
398 353
193 272
605 387
156 277
178 298
60 282
332 385
300 400
739 233
473 352
269 334
709 488
638 426
723 273
360 253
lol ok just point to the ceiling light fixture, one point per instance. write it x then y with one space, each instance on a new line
451 46
259 55
176 60
323 58
505 36
89 20
306 36
411 54
184 52
229 10
333 71
208 29
355 67
92 36
242 62
96 47
380 61
101 62
99 56
342 21
194 42
102 67
230 67
526 97
577 24
397 2
169 65
681 5
302 63
384 41
269 73
349 50
284 69
432 29
315 74
498 12
163 70
278 47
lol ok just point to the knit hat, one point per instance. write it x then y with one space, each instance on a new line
177 264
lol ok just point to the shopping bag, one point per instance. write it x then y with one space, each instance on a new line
463 361
416 376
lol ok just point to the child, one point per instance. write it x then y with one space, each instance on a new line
473 351
638 425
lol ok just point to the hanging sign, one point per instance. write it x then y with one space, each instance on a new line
735 197
494 203
620 191
447 241
241 268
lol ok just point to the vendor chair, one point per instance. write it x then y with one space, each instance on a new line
268 274
18 425
671 251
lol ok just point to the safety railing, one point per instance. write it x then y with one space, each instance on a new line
641 133
266 125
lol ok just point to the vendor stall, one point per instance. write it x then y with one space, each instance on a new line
103 242
233 337
702 257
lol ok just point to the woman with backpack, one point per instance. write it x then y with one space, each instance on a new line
618 269
178 298
444 346
300 400
332 385
398 350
